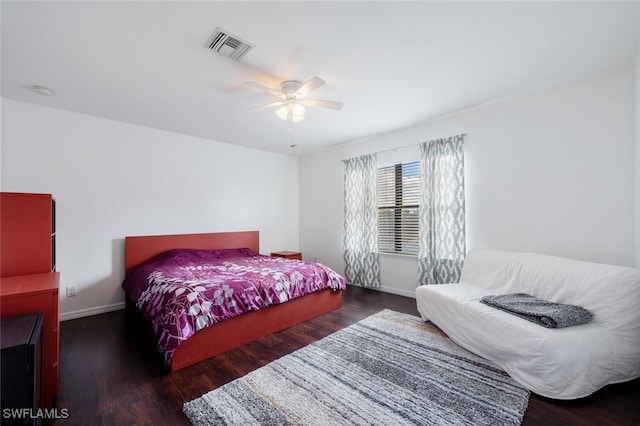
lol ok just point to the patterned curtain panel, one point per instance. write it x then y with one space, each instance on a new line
442 214
361 222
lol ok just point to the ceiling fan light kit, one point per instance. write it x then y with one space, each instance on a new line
292 111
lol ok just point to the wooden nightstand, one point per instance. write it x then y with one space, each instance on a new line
287 254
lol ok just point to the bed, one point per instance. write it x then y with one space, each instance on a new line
218 337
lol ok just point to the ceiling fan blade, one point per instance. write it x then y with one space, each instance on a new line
310 86
264 88
322 103
269 105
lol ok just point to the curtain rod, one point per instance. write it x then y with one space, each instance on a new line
405 146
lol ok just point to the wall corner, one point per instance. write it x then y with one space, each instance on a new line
637 149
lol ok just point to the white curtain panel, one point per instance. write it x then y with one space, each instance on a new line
361 222
442 211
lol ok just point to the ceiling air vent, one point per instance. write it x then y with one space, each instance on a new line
228 45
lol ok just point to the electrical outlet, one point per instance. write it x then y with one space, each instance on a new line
71 291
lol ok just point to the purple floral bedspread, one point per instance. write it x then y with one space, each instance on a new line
182 291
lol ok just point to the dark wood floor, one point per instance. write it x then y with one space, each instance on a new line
108 377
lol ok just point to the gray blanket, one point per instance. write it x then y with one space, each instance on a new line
542 312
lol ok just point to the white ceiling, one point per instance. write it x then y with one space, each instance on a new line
392 63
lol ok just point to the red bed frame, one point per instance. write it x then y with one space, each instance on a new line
239 330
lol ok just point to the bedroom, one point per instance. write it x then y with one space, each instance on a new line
540 175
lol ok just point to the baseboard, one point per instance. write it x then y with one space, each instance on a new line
399 292
81 313
392 290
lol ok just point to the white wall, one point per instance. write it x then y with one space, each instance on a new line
637 124
113 179
549 172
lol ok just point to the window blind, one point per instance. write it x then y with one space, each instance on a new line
398 200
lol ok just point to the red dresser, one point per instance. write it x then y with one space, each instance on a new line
28 281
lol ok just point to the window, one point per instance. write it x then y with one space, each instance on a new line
398 201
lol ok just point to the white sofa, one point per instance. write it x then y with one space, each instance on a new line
562 363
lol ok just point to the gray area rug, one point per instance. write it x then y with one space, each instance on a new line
388 369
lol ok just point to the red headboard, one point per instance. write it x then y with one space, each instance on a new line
140 248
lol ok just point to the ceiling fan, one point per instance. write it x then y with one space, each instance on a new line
293 98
